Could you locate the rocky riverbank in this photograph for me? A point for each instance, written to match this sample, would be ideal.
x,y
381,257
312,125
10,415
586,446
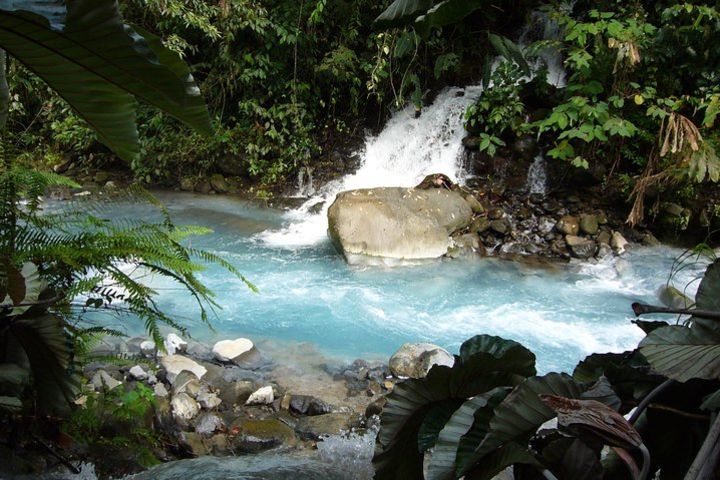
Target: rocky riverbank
x,y
226,399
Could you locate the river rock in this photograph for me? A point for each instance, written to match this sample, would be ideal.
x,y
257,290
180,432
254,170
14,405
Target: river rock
x,y
475,204
414,360
174,364
674,298
313,428
218,183
308,405
160,391
263,396
234,351
568,225
257,435
184,408
138,373
186,382
618,243
237,392
581,247
203,186
103,381
208,423
604,237
208,400
187,184
480,225
174,344
148,348
387,225
501,226
589,224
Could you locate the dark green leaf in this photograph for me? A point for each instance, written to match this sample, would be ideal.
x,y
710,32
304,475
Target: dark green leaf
x,y
682,353
98,65
507,455
708,297
10,404
434,421
572,458
603,392
13,374
711,402
447,12
522,412
401,12
649,326
442,461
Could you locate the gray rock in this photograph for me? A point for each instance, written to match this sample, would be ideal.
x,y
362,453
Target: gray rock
x,y
604,237
388,225
187,184
649,240
207,399
257,435
174,344
414,360
480,225
308,405
581,247
138,373
568,225
208,423
236,392
103,381
160,391
198,350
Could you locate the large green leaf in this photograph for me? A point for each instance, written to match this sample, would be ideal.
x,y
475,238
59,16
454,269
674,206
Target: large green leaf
x,y
708,297
523,412
505,456
12,376
10,404
683,353
401,12
485,363
84,51
447,12
47,347
463,420
572,458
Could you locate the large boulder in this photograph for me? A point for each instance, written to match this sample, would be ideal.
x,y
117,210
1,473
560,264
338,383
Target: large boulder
x,y
389,225
415,360
235,351
174,364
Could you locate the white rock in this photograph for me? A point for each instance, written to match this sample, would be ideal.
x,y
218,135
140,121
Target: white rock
x,y
160,391
174,364
208,400
103,381
186,382
152,379
618,243
174,344
147,348
138,373
263,396
184,408
415,360
233,350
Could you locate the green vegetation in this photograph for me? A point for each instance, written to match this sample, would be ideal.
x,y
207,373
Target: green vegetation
x,y
490,410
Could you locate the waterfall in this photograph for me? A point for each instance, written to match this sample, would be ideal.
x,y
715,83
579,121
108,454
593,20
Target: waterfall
x,y
407,150
537,177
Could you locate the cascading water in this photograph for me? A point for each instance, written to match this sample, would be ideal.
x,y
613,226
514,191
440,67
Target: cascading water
x,y
406,151
537,177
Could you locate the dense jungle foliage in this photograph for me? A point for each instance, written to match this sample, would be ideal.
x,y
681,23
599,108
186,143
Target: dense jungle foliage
x,y
289,83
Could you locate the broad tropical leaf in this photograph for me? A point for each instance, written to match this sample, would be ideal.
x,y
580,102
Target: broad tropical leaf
x,y
401,12
572,458
12,375
507,455
711,402
84,51
434,421
683,353
442,461
10,404
708,297
46,345
522,412
447,12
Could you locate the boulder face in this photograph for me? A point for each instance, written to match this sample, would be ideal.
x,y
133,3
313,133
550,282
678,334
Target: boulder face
x,y
392,225
414,360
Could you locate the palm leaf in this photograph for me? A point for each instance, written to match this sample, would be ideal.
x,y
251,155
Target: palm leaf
x,y
84,51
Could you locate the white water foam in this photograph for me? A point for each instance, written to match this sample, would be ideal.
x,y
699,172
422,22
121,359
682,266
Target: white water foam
x,y
402,155
537,177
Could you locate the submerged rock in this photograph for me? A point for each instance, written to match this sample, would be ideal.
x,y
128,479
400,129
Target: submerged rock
x,y
581,247
415,360
387,225
307,405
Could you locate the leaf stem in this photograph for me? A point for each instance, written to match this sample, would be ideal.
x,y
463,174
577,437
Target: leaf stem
x,y
708,455
649,398
643,309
